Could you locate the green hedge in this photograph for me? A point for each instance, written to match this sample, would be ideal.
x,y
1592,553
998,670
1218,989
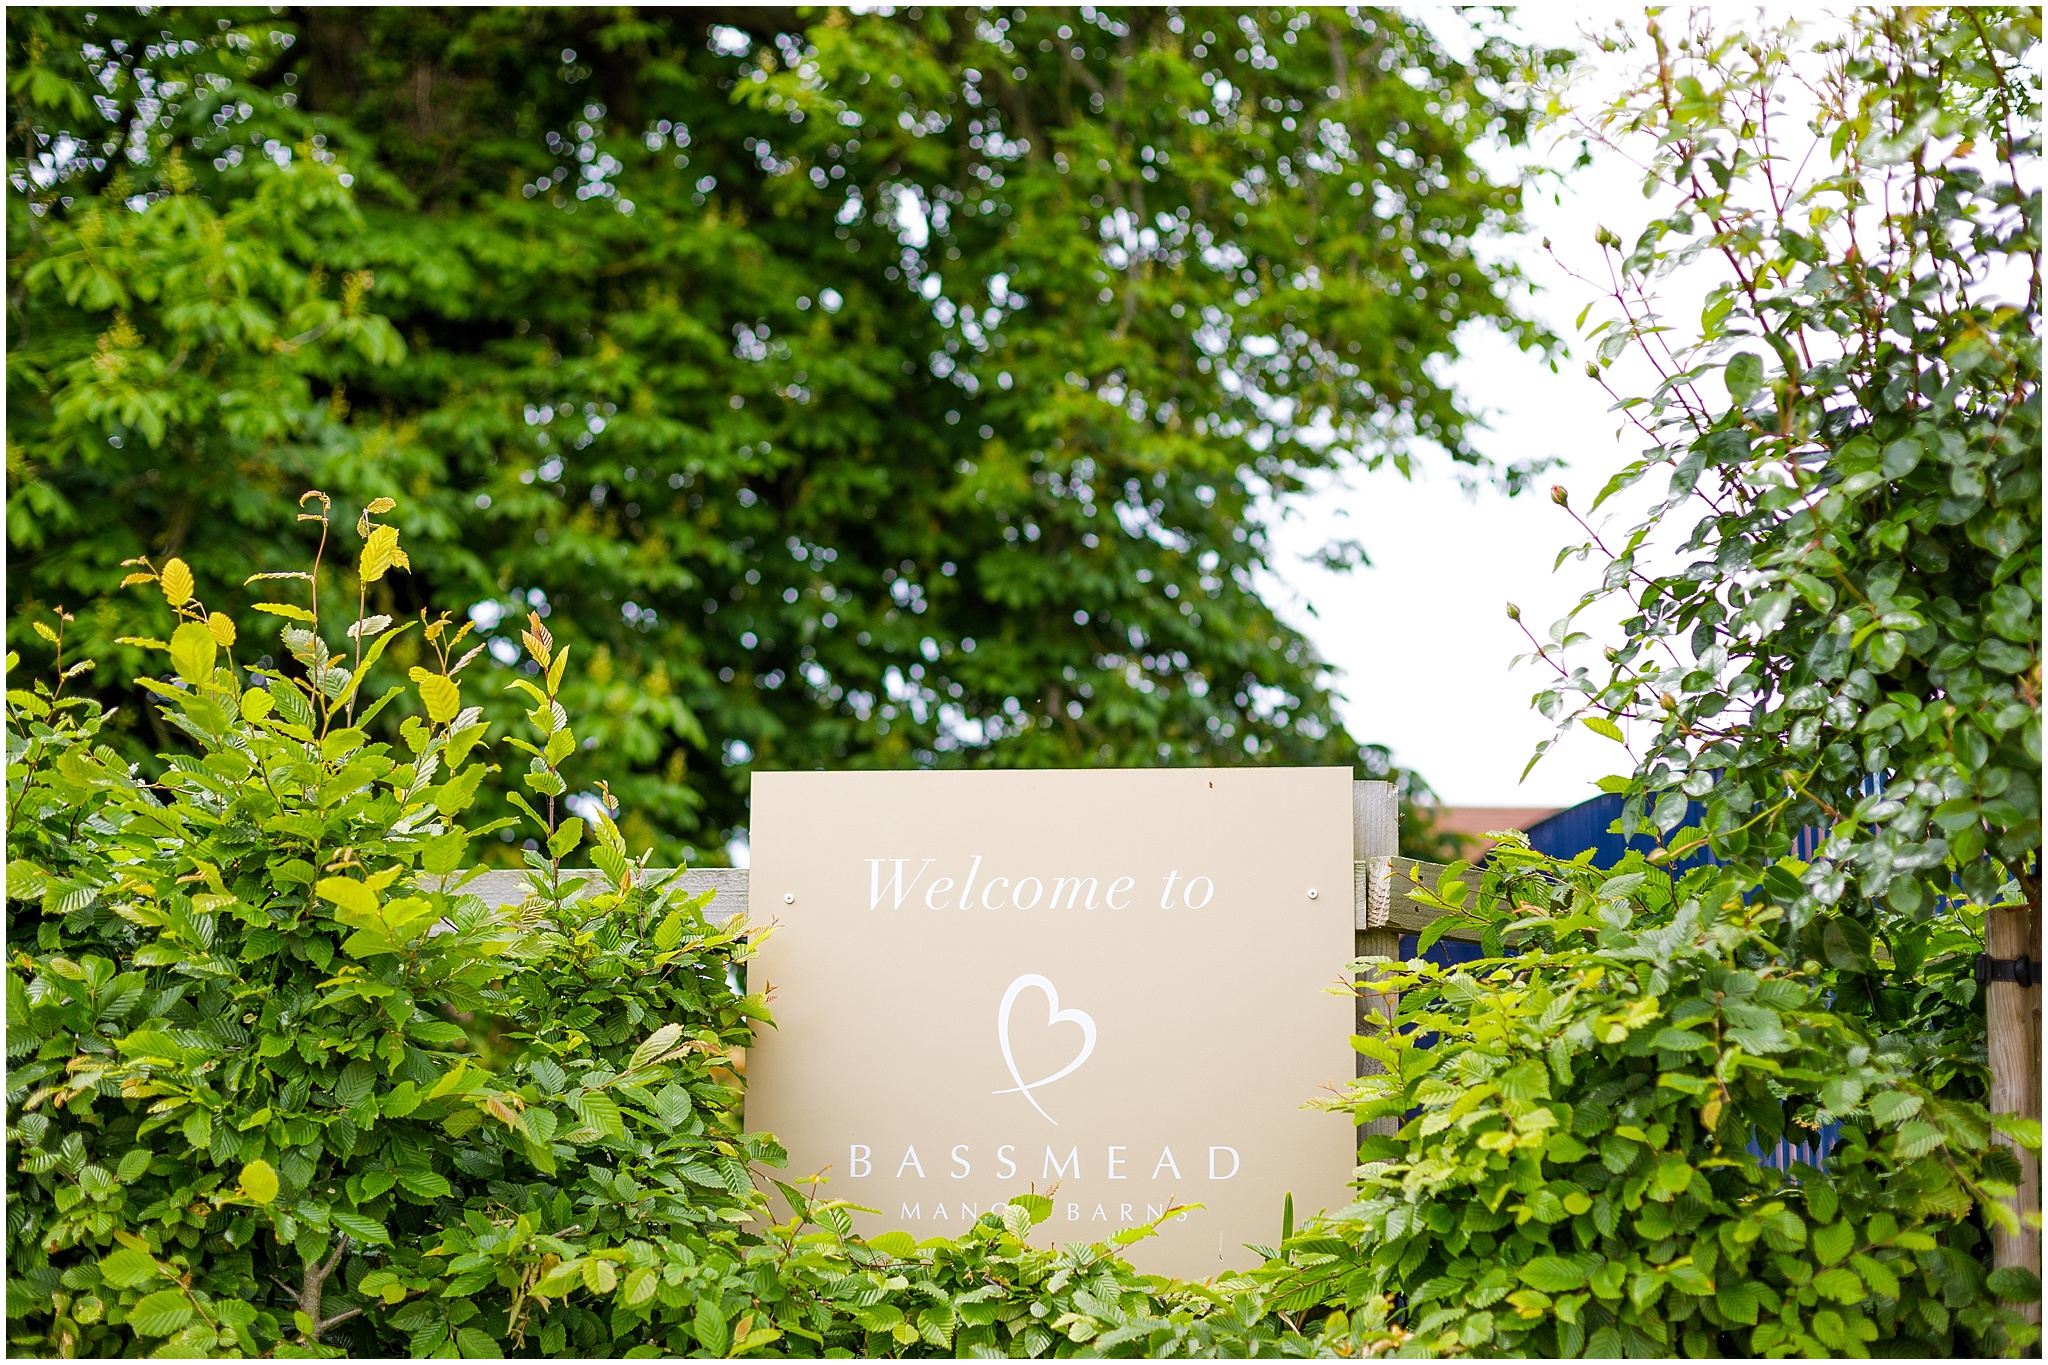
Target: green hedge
x,y
279,1085
1575,1175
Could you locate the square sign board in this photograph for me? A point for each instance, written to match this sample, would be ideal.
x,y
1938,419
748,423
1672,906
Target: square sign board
x,y
1111,987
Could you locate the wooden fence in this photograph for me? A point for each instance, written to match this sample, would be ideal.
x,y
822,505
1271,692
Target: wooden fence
x,y
1383,910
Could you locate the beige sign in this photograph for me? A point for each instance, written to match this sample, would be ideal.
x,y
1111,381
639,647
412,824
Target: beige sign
x,y
1109,986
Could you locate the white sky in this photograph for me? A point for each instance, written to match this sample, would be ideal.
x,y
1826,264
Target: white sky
x,y
1421,637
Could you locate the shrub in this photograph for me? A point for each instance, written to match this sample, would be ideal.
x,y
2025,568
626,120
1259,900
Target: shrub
x,y
988,1292
249,1030
282,1085
1576,1173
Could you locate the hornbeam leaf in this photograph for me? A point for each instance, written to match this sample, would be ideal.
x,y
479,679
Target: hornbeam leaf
x,y
442,696
351,895
658,1042
259,1181
359,1227
1553,1274
193,649
176,583
128,1267
284,609
380,555
163,1312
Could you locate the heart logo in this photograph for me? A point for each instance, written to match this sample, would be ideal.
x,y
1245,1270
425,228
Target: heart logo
x,y
1032,981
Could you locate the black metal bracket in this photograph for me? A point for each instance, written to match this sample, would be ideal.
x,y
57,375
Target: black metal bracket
x,y
2021,971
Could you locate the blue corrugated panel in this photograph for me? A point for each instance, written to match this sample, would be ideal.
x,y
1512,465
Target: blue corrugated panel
x,y
1786,1152
1569,833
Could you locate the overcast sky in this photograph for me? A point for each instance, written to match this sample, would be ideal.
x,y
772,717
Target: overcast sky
x,y
1421,637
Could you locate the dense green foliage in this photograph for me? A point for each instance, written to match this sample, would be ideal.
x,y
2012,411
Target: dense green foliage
x,y
1849,635
253,1032
861,389
280,1083
1575,1174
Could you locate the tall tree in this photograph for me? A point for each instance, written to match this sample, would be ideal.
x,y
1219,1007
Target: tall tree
x,y
851,389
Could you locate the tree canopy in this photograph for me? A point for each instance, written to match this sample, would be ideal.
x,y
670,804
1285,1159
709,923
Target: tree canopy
x,y
850,389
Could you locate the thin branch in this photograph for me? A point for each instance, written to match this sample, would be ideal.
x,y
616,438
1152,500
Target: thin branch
x,y
340,1246
321,1329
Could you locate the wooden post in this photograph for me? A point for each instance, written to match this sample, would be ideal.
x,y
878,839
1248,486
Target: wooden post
x,y
1375,837
2012,1025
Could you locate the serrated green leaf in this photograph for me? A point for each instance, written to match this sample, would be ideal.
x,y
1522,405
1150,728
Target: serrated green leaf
x,y
478,1345
442,696
1600,725
1915,1140
359,1227
601,1112
566,837
670,931
425,1184
2014,1284
160,1314
1840,1284
1553,1274
357,901
128,1267
656,1045
193,650
1833,1242
453,796
710,1327
444,853
284,609
639,1287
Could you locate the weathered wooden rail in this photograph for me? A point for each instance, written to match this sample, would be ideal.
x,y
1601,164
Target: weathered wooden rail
x,y
1373,816
728,885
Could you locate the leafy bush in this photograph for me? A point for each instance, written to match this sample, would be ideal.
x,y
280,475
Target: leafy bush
x,y
1576,1173
988,1292
248,1030
282,1085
